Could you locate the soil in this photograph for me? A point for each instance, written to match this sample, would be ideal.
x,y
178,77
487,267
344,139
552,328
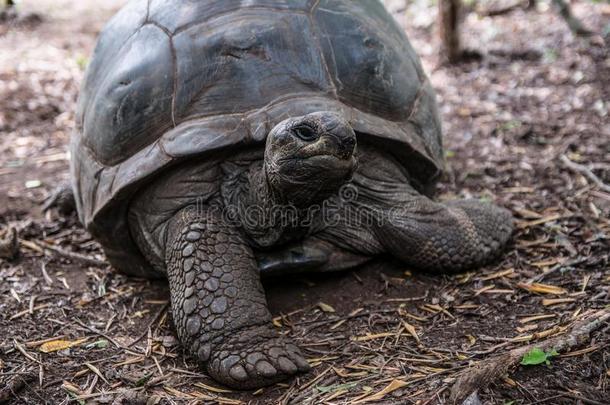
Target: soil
x,y
535,97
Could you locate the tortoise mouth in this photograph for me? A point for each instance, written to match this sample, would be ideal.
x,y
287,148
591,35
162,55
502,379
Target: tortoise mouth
x,y
329,146
341,159
325,159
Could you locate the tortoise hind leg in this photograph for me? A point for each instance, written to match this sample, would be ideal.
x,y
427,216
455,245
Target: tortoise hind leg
x,y
219,306
445,237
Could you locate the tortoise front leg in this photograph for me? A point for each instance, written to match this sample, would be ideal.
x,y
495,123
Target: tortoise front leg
x,y
219,306
445,237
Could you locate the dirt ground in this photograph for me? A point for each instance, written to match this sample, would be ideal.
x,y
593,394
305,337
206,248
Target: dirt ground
x,y
526,126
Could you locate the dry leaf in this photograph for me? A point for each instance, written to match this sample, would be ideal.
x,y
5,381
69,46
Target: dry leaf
x,y
498,274
211,388
411,329
57,345
542,288
556,301
393,386
372,336
325,307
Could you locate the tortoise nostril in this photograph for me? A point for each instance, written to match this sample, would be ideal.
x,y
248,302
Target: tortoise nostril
x,y
349,142
346,146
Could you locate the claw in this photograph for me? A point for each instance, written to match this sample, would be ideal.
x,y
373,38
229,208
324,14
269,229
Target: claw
x,y
239,373
257,362
265,368
287,366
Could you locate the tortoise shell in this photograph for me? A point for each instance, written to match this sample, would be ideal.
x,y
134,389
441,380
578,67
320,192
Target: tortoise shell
x,y
171,80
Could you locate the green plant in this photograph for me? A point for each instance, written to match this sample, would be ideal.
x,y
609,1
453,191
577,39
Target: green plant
x,y
537,356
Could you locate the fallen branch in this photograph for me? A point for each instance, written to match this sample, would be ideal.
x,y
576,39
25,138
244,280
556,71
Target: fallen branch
x,y
485,372
584,170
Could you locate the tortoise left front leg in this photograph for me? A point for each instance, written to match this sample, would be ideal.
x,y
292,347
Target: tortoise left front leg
x,y
454,236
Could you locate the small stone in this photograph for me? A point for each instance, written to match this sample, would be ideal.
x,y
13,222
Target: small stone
x,y
227,278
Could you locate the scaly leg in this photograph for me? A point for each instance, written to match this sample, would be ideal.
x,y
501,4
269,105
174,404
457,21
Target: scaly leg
x,y
220,309
445,237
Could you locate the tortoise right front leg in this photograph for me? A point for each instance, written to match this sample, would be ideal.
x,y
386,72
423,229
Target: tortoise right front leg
x,y
219,306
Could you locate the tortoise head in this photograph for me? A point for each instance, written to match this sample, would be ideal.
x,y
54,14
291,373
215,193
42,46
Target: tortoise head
x,y
308,158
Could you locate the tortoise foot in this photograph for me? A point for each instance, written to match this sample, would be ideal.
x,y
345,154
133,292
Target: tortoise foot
x,y
255,357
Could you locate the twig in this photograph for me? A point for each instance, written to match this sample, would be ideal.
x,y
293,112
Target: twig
x,y
152,321
582,399
487,371
67,254
24,352
102,334
557,267
585,171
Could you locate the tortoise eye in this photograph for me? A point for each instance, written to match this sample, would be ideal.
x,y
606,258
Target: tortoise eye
x,y
305,132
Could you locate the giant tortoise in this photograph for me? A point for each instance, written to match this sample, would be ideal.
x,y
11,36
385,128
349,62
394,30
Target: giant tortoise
x,y
221,140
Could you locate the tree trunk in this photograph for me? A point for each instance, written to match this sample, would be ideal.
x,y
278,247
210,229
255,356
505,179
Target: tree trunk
x,y
448,15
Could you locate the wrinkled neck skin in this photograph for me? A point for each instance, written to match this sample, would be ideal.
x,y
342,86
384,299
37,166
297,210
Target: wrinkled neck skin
x,y
261,210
